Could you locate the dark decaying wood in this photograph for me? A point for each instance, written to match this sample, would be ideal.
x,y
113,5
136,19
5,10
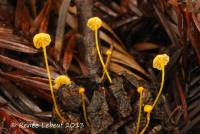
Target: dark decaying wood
x,y
123,100
99,117
88,52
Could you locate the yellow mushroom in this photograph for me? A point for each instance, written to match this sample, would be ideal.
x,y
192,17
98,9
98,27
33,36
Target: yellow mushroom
x,y
159,62
108,53
147,109
81,92
94,24
42,40
61,80
140,91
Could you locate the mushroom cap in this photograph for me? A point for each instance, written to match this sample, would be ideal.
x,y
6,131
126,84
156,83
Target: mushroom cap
x,y
148,108
140,89
41,40
61,80
94,23
108,52
160,61
81,90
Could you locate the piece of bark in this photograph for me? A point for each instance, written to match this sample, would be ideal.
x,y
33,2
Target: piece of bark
x,y
98,114
147,96
123,100
70,98
74,126
130,128
119,124
87,47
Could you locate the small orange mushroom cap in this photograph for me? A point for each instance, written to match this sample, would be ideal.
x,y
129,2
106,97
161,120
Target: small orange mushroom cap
x,y
81,90
94,23
160,61
108,52
41,40
140,89
61,80
148,108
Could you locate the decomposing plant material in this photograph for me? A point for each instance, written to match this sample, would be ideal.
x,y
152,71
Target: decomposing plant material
x,y
99,117
69,97
61,28
122,98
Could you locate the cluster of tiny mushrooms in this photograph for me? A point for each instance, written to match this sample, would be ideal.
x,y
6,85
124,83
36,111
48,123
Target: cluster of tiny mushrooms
x,y
42,40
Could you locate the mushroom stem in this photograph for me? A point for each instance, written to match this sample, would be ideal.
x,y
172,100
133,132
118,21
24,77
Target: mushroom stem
x,y
99,54
81,92
161,87
50,84
84,111
147,124
139,115
108,53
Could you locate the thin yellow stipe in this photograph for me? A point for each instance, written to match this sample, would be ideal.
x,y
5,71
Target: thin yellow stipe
x,y
102,77
50,85
161,87
84,110
139,115
156,100
147,124
159,62
101,60
108,53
